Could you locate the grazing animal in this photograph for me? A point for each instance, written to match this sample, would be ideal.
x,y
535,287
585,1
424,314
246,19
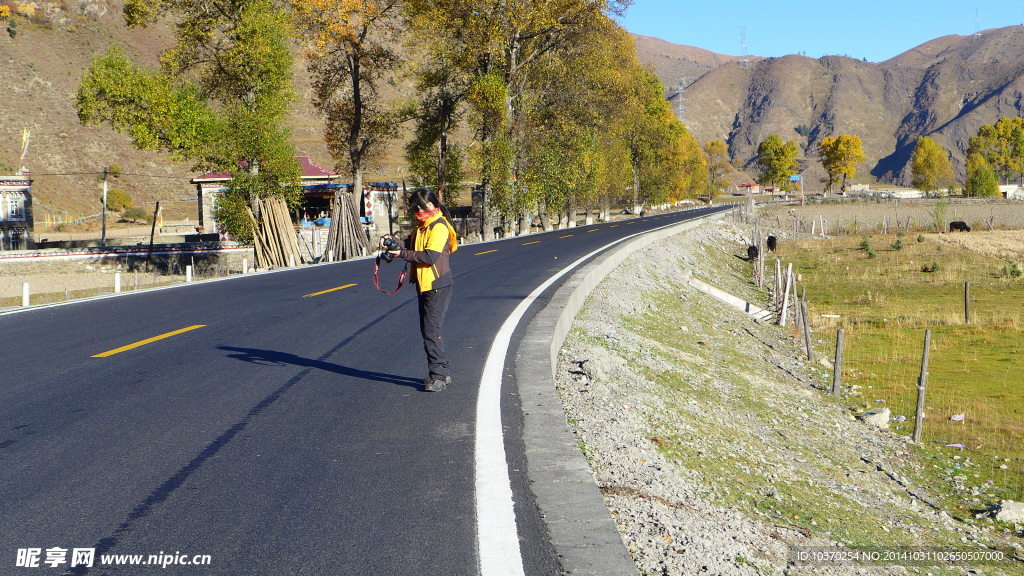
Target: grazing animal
x,y
752,252
959,226
773,243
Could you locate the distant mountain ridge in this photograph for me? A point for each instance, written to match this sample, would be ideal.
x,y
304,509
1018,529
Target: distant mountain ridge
x,y
945,89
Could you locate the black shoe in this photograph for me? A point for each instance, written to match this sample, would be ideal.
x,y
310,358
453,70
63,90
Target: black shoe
x,y
436,385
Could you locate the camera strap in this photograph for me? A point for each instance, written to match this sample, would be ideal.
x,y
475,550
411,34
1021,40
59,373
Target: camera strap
x,y
376,276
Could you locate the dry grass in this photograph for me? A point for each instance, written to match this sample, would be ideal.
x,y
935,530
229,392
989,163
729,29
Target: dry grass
x,y
866,217
885,303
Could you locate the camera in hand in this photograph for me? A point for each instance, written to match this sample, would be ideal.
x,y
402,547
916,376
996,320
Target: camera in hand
x,y
390,243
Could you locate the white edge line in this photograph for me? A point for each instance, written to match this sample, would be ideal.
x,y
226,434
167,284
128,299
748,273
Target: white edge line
x,y
497,535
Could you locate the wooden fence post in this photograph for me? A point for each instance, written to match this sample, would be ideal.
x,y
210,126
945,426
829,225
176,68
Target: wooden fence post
x,y
785,295
807,331
837,376
967,302
922,383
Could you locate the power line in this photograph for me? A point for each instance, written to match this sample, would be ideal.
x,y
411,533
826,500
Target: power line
x,y
101,173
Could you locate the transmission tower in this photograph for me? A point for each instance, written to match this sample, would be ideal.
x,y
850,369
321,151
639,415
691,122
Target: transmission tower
x,y
744,57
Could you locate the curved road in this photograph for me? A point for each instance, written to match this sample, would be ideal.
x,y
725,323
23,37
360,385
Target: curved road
x,y
275,425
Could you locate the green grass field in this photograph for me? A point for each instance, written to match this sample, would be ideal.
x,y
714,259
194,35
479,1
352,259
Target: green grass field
x,y
885,298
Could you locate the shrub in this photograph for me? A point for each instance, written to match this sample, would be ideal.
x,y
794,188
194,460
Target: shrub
x,y
865,245
920,237
135,214
933,267
897,245
118,200
1013,270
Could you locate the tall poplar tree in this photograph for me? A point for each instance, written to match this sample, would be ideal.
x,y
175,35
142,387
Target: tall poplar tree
x,y
930,166
349,50
219,99
494,45
778,161
839,157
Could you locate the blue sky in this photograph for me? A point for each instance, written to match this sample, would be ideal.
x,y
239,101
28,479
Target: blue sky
x,y
872,29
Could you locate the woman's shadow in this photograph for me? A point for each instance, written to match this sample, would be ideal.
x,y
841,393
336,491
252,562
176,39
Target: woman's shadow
x,y
274,358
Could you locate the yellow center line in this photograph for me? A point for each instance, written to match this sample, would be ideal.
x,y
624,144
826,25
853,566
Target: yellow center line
x,y
614,225
566,236
147,341
488,252
330,290
594,230
534,242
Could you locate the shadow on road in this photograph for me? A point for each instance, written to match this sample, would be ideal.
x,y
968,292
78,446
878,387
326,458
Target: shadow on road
x,y
272,357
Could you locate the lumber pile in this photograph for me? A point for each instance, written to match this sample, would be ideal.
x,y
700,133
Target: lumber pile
x,y
346,238
274,236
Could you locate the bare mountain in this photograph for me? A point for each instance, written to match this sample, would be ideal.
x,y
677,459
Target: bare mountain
x,y
945,89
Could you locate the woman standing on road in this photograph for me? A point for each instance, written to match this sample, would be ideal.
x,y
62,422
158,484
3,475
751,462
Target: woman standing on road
x,y
429,249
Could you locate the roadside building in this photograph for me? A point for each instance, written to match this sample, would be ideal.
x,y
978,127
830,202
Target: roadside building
x,y
16,211
749,188
1011,192
318,185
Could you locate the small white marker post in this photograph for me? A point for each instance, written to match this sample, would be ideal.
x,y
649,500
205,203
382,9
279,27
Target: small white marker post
x,y
117,282
24,294
245,266
188,274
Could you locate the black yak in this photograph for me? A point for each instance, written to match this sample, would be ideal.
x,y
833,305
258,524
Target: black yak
x,y
959,226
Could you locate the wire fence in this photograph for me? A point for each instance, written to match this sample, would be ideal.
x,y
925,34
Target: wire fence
x,y
972,422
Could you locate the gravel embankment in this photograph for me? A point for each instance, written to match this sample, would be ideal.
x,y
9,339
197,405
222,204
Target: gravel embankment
x,y
711,439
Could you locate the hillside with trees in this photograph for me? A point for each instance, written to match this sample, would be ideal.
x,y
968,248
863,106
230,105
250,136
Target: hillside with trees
x,y
545,104
945,89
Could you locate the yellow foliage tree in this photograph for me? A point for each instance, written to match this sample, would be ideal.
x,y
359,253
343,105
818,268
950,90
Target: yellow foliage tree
x,y
5,12
26,9
839,157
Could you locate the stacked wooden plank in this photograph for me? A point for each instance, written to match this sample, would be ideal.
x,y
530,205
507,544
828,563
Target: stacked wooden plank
x,y
274,235
346,238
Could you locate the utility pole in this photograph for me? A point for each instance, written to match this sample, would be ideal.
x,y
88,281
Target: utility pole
x,y
103,237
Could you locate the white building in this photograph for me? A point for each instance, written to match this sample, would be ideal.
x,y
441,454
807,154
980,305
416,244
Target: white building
x,y
1011,192
16,211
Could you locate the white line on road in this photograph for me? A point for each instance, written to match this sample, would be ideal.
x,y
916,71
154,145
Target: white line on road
x,y
497,536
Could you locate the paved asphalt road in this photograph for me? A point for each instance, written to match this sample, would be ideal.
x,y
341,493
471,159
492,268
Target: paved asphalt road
x,y
284,433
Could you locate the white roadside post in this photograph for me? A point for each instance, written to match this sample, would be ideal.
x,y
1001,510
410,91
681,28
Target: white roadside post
x,y
24,294
117,282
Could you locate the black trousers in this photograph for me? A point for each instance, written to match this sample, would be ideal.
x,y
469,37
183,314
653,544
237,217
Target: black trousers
x,y
433,306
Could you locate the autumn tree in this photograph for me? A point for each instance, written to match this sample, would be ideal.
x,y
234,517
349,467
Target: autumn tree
x,y
981,178
839,157
1002,147
930,167
716,154
778,161
349,52
219,100
493,46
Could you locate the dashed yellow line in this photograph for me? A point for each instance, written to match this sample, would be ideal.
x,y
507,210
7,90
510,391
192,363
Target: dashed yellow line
x,y
330,290
614,226
146,341
487,252
566,236
534,242
594,230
